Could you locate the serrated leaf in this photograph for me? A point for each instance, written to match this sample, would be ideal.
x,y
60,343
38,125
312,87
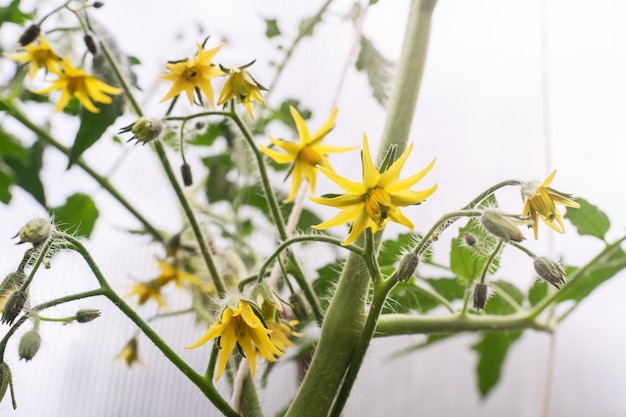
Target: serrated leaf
x,y
271,28
77,216
13,14
588,219
492,350
379,70
593,275
537,292
93,125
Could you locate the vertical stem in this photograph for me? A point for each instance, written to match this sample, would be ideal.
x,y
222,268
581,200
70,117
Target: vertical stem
x,y
345,318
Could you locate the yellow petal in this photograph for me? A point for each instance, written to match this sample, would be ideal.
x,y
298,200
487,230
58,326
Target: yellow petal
x,y
393,172
410,197
408,182
326,127
303,130
370,173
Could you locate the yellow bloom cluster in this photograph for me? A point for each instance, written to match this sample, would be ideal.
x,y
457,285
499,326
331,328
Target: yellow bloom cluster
x,y
152,289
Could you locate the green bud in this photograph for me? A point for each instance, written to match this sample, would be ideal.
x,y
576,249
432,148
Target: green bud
x,y
549,270
501,226
481,293
14,306
144,129
12,282
6,381
269,303
87,315
90,43
470,239
407,267
29,345
185,171
35,231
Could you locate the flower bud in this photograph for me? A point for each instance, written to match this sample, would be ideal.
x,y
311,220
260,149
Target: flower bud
x,y
268,302
98,4
35,231
144,129
551,271
14,306
87,315
185,171
481,292
470,239
6,381
130,353
501,226
407,267
30,34
12,282
90,43
29,345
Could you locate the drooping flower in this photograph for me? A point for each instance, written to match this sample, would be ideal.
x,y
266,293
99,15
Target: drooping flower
x,y
130,353
540,201
152,289
243,87
239,325
281,332
306,155
377,199
74,82
169,273
193,76
146,291
38,56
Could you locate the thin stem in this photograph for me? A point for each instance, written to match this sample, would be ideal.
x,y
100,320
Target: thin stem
x,y
11,109
435,296
40,258
492,257
443,222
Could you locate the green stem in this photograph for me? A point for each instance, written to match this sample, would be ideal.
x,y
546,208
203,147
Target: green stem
x,y
101,180
492,257
40,258
205,386
345,319
403,324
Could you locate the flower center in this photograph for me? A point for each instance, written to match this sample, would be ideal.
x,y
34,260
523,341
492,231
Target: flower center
x,y
191,73
309,156
74,84
377,205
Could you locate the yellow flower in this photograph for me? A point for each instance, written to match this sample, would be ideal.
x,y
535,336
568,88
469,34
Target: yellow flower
x,y
169,273
148,290
190,75
39,56
281,332
375,200
130,353
243,87
74,82
306,155
540,201
239,325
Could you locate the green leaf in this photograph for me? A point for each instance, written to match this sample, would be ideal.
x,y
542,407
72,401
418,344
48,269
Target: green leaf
x,y
492,350
77,216
26,172
537,292
307,26
207,138
93,125
13,14
450,288
379,70
503,292
219,187
391,249
271,29
585,280
6,181
588,219
11,147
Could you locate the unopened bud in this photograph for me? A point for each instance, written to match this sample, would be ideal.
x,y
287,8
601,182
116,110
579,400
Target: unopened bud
x,y
98,4
90,43
12,282
185,171
35,231
470,239
549,270
14,306
407,267
6,381
481,292
144,129
29,345
87,315
30,34
501,226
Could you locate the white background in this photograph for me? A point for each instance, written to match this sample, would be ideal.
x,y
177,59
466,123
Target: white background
x,y
511,90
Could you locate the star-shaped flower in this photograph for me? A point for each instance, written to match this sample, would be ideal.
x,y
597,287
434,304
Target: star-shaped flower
x,y
377,199
540,201
193,75
38,56
74,82
241,86
306,155
239,325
